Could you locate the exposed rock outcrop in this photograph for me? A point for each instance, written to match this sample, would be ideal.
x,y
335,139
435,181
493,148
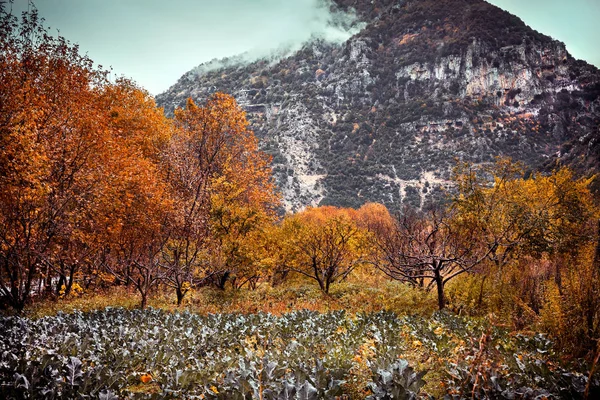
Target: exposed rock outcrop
x,y
383,116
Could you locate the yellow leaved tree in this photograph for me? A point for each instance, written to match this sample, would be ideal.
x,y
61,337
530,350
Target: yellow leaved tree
x,y
324,244
224,195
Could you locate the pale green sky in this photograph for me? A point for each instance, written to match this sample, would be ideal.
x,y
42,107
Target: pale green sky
x,y
156,41
574,22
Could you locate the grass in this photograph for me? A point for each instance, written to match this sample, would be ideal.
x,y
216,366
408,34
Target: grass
x,y
352,296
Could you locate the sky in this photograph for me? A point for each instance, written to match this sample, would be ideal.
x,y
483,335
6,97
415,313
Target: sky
x,y
155,42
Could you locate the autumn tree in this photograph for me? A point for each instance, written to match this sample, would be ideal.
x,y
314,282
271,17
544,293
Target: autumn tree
x,y
374,218
428,249
541,232
94,177
51,135
571,313
224,192
422,248
143,213
133,214
549,214
379,227
238,218
323,244
243,204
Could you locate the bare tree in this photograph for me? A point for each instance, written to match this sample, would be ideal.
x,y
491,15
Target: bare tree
x,y
428,249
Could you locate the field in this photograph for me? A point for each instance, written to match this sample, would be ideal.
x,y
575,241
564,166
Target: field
x,y
117,353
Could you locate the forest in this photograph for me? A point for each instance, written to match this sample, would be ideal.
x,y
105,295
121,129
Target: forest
x,y
128,238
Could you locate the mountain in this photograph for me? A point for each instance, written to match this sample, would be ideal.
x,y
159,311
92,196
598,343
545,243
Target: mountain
x,y
384,116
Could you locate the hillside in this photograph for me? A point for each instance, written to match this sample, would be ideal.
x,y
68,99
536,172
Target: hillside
x,y
383,116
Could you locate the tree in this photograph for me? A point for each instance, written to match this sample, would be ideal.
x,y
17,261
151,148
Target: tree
x,y
133,214
496,215
549,214
51,135
224,192
237,222
378,225
540,229
137,223
93,176
428,248
374,218
324,244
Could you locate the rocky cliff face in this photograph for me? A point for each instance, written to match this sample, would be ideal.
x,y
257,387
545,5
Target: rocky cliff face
x,y
384,116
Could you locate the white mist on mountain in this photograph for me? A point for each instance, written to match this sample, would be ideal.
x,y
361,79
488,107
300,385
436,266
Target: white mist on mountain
x,y
294,24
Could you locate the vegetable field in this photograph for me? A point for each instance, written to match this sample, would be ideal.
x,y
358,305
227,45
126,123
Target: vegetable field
x,y
119,354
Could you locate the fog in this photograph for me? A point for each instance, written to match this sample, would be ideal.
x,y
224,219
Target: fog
x,y
298,23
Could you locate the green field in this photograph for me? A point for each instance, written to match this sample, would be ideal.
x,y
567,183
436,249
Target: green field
x,y
117,353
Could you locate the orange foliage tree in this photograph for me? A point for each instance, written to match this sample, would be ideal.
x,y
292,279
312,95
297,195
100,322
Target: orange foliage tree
x,y
133,214
224,194
51,136
94,177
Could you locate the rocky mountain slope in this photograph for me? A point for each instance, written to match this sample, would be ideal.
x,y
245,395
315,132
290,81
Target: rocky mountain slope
x,y
384,116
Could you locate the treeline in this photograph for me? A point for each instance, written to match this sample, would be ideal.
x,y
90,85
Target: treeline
x,y
97,185
523,249
98,188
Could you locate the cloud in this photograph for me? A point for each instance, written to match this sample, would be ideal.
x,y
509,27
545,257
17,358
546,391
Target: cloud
x,y
282,27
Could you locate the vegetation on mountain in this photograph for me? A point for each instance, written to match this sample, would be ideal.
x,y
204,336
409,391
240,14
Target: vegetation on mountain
x,y
382,117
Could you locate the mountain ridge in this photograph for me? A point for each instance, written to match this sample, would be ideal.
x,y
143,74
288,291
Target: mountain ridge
x,y
383,116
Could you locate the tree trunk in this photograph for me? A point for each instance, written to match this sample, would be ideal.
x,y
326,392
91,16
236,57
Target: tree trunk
x,y
279,277
480,299
15,297
19,305
439,282
144,302
558,273
180,296
253,283
61,281
19,297
69,283
222,280
48,281
128,280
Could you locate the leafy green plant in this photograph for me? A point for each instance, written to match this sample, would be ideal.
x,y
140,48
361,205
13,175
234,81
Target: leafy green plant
x,y
118,353
397,381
